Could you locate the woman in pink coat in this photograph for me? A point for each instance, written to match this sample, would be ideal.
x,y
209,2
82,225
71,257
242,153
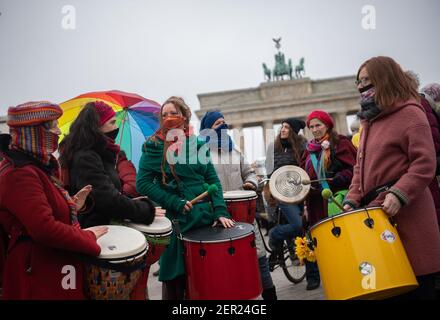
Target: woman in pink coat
x,y
396,150
37,214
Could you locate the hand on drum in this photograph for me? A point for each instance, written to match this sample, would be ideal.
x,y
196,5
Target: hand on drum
x,y
227,223
249,186
160,212
81,196
391,205
98,231
347,207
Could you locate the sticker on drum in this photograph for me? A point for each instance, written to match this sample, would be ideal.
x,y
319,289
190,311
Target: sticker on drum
x,y
366,268
388,236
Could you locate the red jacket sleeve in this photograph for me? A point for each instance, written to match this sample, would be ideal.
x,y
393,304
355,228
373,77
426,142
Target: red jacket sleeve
x,y
30,206
127,175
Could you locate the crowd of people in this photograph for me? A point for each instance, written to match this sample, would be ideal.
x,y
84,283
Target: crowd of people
x,y
53,211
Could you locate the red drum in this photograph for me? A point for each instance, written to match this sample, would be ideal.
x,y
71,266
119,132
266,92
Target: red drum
x,y
242,205
221,264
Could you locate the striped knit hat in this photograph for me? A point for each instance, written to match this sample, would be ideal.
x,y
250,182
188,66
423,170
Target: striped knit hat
x,y
33,113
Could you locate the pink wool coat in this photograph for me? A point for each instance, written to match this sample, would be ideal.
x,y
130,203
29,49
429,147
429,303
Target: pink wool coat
x,y
397,144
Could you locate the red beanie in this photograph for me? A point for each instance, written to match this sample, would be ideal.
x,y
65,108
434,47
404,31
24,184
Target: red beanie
x,y
104,111
322,116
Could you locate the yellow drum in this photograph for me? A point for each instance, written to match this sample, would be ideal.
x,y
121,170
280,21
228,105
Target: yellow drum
x,y
360,256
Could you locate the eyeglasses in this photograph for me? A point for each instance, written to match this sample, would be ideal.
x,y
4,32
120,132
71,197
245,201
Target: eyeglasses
x,y
363,81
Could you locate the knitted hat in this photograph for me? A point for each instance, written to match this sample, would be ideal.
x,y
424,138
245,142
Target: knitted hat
x,y
104,111
33,113
295,124
209,119
322,116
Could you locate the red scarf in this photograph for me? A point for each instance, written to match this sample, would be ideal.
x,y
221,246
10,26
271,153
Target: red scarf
x,y
174,146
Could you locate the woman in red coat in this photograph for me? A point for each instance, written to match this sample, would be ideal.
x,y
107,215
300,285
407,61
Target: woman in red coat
x,y
37,213
396,150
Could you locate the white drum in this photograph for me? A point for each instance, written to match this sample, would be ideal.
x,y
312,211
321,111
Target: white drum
x,y
158,235
289,184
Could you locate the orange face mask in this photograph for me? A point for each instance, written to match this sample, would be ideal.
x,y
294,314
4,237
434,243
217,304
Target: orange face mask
x,y
173,122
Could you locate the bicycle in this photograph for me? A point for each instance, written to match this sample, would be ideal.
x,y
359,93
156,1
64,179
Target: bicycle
x,y
286,258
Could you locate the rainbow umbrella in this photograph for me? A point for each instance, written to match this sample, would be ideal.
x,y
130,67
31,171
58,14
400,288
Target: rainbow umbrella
x,y
136,117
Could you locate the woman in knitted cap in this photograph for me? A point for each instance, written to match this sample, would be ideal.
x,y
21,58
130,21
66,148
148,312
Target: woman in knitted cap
x,y
335,157
90,154
37,213
171,175
397,151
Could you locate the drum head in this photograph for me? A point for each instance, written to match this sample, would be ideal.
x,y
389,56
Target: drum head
x,y
210,234
121,242
286,184
160,226
239,194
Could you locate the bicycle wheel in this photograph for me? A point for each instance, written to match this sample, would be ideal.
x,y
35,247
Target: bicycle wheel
x,y
293,270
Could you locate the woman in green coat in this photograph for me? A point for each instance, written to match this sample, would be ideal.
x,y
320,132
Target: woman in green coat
x,y
172,171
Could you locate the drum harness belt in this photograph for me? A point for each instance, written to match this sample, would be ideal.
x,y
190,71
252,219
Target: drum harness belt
x,y
372,194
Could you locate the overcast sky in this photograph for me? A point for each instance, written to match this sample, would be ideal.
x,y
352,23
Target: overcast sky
x,y
186,47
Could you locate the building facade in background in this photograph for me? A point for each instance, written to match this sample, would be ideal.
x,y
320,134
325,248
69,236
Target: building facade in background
x,y
3,126
271,102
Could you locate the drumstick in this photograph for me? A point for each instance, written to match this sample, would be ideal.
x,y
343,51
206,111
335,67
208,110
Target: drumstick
x,y
307,181
328,194
211,190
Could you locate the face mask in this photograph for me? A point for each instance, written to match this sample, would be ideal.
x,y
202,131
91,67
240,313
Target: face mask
x,y
223,126
112,134
173,122
52,141
364,89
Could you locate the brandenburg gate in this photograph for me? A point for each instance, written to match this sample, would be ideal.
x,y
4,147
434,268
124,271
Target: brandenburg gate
x,y
278,99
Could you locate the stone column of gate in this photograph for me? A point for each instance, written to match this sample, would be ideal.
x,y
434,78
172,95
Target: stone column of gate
x,y
237,134
341,122
267,137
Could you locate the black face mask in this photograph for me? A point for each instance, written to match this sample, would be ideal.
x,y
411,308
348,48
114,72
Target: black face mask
x,y
363,89
112,134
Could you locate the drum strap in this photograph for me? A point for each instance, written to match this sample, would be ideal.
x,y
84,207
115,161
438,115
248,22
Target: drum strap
x,y
176,228
372,194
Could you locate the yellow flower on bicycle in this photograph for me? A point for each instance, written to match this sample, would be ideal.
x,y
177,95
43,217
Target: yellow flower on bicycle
x,y
303,251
